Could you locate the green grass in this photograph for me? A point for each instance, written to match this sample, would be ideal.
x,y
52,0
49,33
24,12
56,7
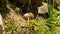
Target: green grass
x,y
46,26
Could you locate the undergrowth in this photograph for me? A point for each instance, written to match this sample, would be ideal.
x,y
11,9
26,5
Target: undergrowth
x,y
46,26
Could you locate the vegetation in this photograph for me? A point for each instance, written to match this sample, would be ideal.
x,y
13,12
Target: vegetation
x,y
48,25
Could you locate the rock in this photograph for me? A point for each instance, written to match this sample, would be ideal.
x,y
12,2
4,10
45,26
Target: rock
x,y
17,18
28,15
1,25
43,9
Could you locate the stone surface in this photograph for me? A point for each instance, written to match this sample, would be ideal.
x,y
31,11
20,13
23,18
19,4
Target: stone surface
x,y
1,25
17,18
43,9
28,15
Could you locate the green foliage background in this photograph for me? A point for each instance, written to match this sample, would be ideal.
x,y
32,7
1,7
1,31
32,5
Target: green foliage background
x,y
47,26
